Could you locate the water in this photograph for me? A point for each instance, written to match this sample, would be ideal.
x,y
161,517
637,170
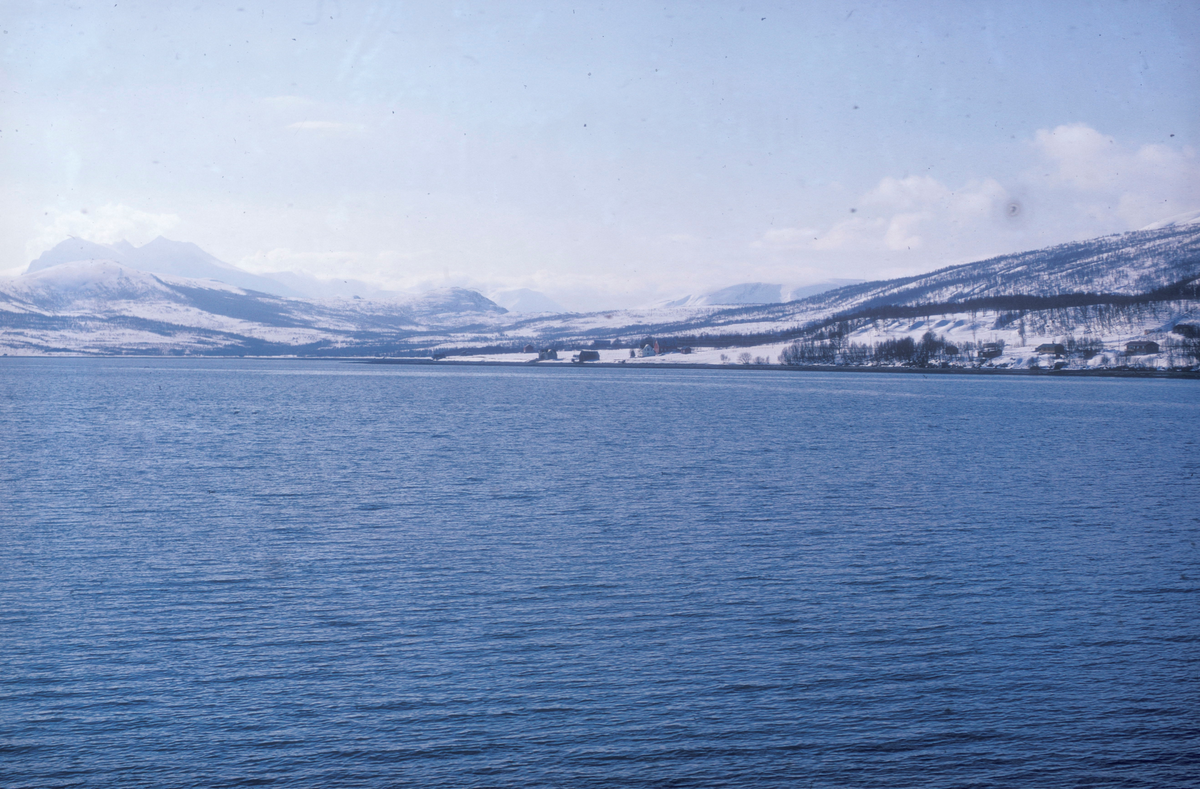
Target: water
x,y
228,573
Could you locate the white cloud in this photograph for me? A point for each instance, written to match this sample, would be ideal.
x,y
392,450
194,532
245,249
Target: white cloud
x,y
1114,183
902,232
386,269
1074,183
104,225
901,214
283,259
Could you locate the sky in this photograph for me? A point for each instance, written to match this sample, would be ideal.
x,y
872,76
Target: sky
x,y
605,154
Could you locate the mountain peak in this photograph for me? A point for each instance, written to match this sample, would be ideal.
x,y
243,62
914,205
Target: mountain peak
x,y
160,256
73,249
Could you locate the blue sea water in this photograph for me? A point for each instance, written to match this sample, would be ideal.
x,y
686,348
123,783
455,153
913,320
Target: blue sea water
x,y
325,574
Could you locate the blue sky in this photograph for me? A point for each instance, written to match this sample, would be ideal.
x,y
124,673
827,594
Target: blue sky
x,y
607,153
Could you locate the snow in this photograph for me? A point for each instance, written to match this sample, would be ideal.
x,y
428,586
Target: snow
x,y
90,305
1189,218
769,354
160,256
744,293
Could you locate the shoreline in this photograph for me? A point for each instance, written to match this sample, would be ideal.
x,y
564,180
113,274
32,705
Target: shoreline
x,y
762,368
814,368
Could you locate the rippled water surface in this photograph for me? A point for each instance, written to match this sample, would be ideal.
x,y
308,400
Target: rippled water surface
x,y
234,572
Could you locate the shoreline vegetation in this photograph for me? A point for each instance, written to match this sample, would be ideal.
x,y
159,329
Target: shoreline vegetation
x,y
805,368
756,364
753,366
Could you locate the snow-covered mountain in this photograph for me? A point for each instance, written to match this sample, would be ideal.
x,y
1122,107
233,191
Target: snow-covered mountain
x,y
743,293
101,306
1128,264
99,303
160,256
1052,292
755,293
184,259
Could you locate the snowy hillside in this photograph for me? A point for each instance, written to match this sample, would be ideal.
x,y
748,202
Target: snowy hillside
x,y
1130,263
1109,291
100,306
1105,292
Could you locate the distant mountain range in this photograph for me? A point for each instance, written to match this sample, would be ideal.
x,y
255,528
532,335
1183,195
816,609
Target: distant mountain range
x,y
755,293
172,297
101,306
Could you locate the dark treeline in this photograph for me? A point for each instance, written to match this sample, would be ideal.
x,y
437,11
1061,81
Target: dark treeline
x,y
1185,289
902,350
932,350
1093,312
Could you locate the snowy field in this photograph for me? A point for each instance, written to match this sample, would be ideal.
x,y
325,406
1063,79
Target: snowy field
x,y
1106,334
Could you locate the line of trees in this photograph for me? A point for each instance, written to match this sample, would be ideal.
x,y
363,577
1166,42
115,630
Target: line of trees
x,y
932,349
902,350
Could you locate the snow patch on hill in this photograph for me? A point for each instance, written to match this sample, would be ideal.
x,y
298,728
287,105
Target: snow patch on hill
x,y
1189,218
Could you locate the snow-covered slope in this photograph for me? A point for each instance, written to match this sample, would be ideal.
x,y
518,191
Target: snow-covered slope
x,y
804,291
1114,269
1179,220
1130,263
160,256
756,293
743,293
104,306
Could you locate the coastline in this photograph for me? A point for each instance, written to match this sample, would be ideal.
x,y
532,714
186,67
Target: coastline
x,y
761,368
817,368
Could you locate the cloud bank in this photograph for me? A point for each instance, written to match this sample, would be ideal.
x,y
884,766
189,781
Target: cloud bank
x,y
1074,182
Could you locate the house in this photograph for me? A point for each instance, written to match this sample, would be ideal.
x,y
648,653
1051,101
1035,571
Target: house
x,y
990,350
1056,348
547,354
587,356
648,350
1139,347
529,349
